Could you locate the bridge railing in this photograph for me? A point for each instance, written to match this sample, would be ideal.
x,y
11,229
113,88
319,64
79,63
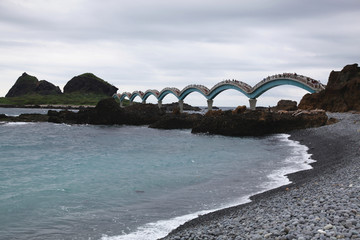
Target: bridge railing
x,y
244,86
202,88
315,84
312,83
176,91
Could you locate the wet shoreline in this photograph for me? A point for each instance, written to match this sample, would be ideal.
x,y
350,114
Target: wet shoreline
x,y
306,208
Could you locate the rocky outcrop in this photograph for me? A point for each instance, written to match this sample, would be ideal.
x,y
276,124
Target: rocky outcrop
x,y
341,93
47,88
89,83
108,112
286,105
258,122
142,114
241,122
27,84
175,105
26,117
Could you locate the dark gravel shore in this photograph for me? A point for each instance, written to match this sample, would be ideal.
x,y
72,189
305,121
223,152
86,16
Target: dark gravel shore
x,y
322,203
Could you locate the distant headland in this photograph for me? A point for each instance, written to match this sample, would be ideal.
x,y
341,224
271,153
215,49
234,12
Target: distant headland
x,y
82,90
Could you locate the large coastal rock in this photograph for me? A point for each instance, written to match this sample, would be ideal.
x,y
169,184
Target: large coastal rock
x,y
258,122
27,84
175,105
108,112
89,83
286,105
239,122
341,93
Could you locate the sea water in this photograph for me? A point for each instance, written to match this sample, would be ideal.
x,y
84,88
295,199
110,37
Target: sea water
x,y
61,181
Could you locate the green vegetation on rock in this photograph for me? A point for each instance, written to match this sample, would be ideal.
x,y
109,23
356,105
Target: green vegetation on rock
x,y
89,83
27,84
85,89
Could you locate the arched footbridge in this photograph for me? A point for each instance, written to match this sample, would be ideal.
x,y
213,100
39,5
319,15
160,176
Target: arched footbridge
x,y
252,93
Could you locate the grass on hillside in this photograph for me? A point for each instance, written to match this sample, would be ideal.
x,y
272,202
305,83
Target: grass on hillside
x,y
60,99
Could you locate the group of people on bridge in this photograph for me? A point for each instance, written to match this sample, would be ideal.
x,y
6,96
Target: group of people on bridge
x,y
266,84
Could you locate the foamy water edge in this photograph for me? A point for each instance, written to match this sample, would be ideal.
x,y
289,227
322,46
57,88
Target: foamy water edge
x,y
155,230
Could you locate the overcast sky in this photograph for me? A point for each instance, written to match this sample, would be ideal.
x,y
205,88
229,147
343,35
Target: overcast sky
x,y
152,44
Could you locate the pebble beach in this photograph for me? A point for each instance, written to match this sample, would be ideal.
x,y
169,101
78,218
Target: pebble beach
x,y
321,203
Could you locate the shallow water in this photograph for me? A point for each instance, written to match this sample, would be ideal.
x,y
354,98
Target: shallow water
x,y
62,181
17,111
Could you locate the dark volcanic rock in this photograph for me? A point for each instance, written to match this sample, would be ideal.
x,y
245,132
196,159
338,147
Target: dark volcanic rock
x,y
286,105
175,105
28,117
108,112
259,122
341,93
27,84
142,114
231,123
89,83
47,88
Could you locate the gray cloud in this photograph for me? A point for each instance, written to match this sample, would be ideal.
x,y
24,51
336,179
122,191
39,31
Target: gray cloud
x,y
142,44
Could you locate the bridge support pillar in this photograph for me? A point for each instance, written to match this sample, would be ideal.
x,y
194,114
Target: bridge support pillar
x,y
131,103
181,106
252,102
160,104
143,102
210,104
121,104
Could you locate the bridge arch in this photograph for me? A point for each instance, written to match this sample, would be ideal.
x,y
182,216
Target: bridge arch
x,y
259,89
135,94
166,91
150,92
219,89
124,95
252,93
194,88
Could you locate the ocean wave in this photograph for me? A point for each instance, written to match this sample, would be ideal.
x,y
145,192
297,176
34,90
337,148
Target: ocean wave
x,y
299,160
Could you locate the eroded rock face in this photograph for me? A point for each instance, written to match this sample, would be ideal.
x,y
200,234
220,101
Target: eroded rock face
x,y
175,105
341,94
286,105
47,88
108,112
259,122
27,84
89,83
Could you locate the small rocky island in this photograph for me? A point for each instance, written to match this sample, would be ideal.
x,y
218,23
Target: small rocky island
x,y
27,84
89,83
84,83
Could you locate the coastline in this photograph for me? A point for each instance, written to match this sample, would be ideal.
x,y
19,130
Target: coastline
x,y
309,207
48,106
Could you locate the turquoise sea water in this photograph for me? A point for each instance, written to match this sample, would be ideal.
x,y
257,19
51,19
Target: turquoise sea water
x,y
62,181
